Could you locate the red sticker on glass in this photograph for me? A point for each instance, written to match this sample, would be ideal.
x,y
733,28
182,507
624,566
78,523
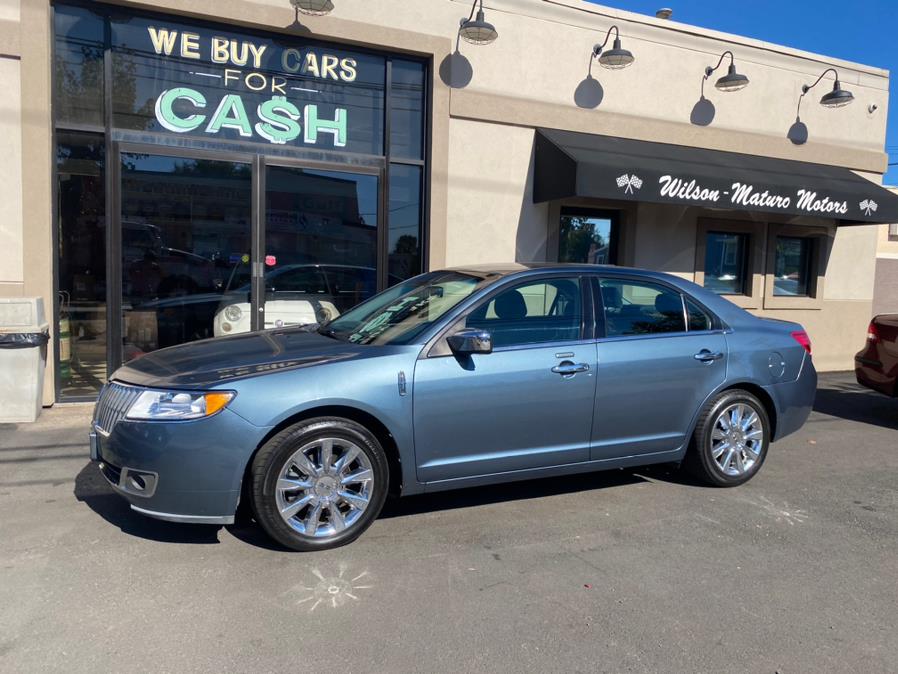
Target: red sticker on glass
x,y
271,260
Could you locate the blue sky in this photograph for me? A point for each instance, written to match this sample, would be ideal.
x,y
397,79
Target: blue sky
x,y
865,31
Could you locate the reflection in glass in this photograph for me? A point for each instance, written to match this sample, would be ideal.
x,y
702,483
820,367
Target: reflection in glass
x,y
404,241
585,239
792,266
78,66
407,110
726,257
636,308
82,263
401,313
320,248
185,241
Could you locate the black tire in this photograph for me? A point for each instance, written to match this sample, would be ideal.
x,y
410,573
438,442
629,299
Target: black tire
x,y
271,460
700,459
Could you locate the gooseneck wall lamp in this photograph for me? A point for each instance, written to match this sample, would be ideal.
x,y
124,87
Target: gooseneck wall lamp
x,y
732,81
615,58
836,98
477,31
313,7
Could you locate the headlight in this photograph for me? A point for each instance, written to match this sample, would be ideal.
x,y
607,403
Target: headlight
x,y
178,405
233,313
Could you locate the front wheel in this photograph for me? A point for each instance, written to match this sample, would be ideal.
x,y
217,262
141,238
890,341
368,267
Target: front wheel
x,y
731,439
319,484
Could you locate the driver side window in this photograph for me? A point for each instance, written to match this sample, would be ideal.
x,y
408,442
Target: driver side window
x,y
546,311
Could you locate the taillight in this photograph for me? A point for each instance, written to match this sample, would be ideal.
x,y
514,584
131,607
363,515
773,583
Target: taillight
x,y
873,333
802,338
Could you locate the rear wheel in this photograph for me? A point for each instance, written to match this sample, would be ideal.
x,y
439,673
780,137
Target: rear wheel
x,y
731,439
319,484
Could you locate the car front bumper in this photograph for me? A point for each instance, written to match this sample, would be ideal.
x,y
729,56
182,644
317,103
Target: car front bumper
x,y
179,471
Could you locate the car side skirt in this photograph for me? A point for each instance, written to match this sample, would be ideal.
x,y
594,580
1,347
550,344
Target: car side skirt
x,y
554,471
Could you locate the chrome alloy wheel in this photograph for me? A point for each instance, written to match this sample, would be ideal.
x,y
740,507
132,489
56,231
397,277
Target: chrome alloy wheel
x,y
737,439
325,487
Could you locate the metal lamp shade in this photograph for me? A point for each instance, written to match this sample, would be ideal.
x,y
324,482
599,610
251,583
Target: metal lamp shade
x,y
616,57
313,7
838,97
732,81
478,31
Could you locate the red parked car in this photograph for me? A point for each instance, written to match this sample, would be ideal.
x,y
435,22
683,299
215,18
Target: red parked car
x,y
876,365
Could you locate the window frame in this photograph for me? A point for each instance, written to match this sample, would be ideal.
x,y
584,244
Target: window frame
x,y
756,233
820,244
602,335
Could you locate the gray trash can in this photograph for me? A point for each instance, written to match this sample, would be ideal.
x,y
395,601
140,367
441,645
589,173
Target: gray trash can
x,y
24,334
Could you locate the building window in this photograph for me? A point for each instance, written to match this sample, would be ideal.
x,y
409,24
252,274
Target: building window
x,y
726,262
81,265
208,123
792,266
404,236
588,236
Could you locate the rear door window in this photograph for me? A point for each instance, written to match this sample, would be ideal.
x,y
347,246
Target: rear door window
x,y
640,308
699,319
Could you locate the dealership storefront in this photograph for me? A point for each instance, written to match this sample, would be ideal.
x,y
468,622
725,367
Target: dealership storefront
x,y
212,180
186,175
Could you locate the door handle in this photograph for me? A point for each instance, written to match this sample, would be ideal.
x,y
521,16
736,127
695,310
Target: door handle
x,y
568,369
707,356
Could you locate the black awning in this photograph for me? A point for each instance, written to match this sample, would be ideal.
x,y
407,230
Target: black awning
x,y
571,164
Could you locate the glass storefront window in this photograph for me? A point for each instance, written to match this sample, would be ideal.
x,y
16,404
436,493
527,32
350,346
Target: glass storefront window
x,y
184,253
81,233
407,110
78,66
726,262
586,237
223,84
792,266
404,239
320,243
185,241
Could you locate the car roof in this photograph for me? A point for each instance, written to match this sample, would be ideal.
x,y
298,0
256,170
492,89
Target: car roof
x,y
509,268
725,309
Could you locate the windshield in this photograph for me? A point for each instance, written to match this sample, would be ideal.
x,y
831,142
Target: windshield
x,y
398,315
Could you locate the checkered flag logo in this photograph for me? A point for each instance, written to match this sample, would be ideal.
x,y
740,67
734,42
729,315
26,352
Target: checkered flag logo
x,y
628,182
868,206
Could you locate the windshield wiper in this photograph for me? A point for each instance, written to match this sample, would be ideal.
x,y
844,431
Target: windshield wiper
x,y
327,332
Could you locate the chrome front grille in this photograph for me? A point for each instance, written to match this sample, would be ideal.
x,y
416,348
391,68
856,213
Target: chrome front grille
x,y
113,404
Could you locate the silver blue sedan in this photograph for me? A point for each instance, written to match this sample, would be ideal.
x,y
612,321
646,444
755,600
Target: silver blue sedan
x,y
455,378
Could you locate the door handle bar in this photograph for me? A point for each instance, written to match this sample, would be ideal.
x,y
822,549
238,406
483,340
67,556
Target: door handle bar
x,y
707,356
568,368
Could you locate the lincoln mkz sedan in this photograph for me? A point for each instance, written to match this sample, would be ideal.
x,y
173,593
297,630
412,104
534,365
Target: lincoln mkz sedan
x,y
455,378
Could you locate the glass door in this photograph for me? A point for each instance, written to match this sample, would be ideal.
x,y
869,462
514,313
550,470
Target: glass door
x,y
320,244
185,240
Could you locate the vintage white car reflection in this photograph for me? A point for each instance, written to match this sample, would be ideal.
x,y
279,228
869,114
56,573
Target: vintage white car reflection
x,y
296,295
235,318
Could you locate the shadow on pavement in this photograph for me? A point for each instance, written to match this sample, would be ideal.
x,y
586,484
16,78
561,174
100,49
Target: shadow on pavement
x,y
512,491
92,490
845,399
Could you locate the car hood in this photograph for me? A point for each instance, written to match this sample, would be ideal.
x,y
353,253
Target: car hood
x,y
216,362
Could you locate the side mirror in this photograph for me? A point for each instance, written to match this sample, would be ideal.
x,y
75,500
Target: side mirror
x,y
470,340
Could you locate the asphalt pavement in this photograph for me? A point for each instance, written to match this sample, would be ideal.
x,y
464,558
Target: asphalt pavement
x,y
637,570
